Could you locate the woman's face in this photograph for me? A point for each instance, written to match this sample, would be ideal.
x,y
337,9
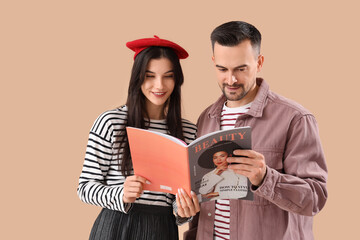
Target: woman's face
x,y
219,158
158,84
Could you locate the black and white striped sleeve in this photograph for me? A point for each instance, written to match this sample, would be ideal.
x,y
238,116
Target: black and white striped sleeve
x,y
100,159
189,131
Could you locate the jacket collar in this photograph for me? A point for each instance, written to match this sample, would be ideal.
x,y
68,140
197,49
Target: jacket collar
x,y
257,106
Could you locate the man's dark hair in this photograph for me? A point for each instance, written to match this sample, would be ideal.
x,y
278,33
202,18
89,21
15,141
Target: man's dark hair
x,y
233,33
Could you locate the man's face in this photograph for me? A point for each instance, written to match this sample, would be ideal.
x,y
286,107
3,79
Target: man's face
x,y
236,70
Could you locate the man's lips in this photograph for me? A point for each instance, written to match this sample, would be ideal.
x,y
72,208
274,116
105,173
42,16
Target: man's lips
x,y
232,88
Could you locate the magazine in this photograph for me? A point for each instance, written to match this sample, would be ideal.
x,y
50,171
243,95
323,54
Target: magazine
x,y
169,163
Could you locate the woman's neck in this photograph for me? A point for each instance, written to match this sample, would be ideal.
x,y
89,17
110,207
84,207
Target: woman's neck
x,y
155,112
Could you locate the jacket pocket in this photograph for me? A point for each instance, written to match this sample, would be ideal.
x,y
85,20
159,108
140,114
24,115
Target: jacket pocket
x,y
273,157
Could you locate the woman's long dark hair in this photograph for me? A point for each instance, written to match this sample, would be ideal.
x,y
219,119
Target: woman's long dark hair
x,y
135,103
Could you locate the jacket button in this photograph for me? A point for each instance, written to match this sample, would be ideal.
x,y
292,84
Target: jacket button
x,y
209,214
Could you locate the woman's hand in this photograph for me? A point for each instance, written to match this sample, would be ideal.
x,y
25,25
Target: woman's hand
x,y
219,170
133,188
187,206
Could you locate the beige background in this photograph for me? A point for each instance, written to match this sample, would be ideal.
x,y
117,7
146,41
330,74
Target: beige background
x,y
62,63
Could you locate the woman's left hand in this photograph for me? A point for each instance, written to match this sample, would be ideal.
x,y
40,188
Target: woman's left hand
x,y
187,206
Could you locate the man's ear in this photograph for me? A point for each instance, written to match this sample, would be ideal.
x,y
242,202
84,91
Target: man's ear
x,y
260,62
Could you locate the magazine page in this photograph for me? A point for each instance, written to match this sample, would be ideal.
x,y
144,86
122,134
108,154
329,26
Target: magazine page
x,y
164,163
211,178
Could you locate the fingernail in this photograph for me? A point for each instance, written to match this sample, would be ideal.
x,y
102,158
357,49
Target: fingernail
x,y
182,191
148,182
179,191
192,193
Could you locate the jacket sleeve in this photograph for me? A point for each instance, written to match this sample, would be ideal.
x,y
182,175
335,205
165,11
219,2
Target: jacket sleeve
x,y
301,188
100,157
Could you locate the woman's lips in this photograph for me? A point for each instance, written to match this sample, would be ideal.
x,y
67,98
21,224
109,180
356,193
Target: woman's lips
x,y
159,94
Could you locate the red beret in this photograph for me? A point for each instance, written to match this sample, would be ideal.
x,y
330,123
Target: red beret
x,y
140,44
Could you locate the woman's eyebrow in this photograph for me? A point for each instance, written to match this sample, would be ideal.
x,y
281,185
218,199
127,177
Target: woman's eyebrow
x,y
170,71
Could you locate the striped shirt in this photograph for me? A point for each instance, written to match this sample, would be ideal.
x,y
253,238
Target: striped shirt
x,y
229,115
101,181
222,206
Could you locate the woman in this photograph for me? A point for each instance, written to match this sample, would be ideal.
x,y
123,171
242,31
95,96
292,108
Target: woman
x,y
222,182
107,179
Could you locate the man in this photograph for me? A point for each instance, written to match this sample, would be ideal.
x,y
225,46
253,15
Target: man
x,y
286,165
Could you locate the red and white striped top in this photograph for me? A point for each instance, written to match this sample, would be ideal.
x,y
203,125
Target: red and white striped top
x,y
229,115
222,207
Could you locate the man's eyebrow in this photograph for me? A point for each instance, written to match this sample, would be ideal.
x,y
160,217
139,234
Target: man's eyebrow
x,y
241,66
219,66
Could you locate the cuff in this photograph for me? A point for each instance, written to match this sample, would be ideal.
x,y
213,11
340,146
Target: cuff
x,y
266,188
180,221
125,207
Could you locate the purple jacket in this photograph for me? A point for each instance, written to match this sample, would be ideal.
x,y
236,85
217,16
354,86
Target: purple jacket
x,y
294,188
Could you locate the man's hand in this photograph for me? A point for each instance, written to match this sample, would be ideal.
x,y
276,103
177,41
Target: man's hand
x,y
252,165
186,206
133,188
